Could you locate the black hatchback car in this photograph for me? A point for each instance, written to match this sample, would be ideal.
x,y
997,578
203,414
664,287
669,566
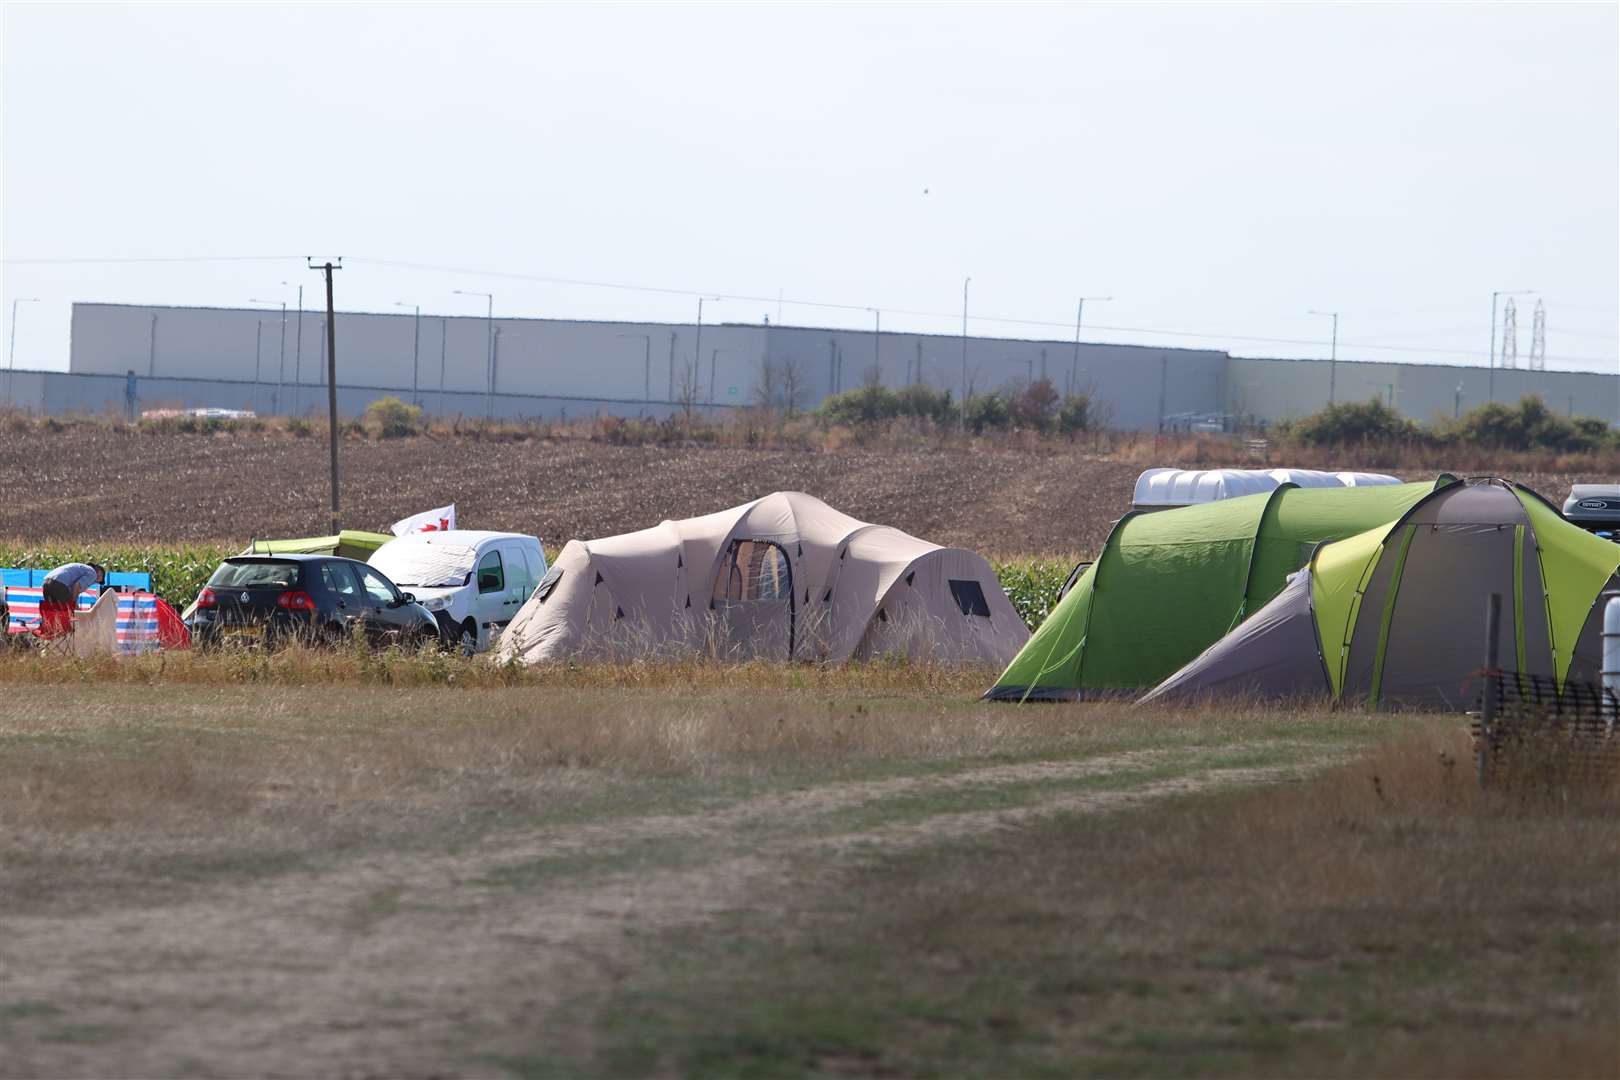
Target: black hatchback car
x,y
270,599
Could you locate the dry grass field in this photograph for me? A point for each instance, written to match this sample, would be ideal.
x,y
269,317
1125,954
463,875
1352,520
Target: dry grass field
x,y
329,865
350,865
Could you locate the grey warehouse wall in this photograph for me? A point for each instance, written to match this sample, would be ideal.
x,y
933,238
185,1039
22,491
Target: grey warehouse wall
x,y
245,358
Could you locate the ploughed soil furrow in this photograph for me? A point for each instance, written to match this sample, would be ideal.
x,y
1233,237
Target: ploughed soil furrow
x,y
117,486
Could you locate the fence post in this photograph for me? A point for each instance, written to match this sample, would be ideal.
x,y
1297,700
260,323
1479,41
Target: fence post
x,y
1609,694
1487,708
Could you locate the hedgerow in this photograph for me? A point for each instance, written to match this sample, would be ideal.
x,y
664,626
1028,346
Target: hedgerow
x,y
179,573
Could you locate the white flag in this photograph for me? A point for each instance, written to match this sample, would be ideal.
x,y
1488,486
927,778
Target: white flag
x,y
440,520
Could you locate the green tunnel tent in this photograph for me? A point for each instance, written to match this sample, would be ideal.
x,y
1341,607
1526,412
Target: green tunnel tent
x,y
1396,615
1170,584
350,544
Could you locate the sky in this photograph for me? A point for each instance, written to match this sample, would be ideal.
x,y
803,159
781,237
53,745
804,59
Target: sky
x,y
1218,170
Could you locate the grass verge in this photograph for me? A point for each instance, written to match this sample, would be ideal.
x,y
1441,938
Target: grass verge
x,y
1386,918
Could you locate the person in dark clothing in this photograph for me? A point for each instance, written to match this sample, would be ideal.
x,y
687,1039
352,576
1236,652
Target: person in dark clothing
x,y
61,595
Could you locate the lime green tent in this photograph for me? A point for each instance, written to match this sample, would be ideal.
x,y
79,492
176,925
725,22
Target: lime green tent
x,y
1172,583
350,544
1396,615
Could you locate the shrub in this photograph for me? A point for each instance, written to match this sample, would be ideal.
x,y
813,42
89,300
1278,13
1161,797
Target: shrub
x,y
864,405
1354,422
1074,414
986,412
1036,408
391,418
1529,426
924,403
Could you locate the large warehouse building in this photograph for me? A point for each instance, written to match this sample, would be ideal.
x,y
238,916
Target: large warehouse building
x,y
126,357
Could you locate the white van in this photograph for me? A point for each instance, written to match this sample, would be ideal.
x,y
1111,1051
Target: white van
x,y
472,581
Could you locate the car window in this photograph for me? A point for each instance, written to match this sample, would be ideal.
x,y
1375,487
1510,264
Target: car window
x,y
491,578
517,571
377,586
257,574
537,565
340,579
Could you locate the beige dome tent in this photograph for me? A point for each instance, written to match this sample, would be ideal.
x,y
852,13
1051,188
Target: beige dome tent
x,y
785,576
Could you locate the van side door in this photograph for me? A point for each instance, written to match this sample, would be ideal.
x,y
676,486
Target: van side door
x,y
519,581
489,606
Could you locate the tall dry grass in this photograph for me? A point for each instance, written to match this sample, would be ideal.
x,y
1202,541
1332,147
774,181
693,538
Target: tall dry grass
x,y
1386,918
301,665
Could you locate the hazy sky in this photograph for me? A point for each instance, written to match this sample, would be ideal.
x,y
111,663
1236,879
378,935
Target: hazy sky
x,y
1219,169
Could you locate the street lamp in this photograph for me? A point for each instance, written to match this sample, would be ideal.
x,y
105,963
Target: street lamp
x,y
258,337
877,339
298,350
697,346
1333,356
1079,313
416,347
646,370
444,350
1491,378
11,353
965,283
714,357
281,361
489,354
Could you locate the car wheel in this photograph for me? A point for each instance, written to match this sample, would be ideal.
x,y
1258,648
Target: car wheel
x,y
468,644
332,636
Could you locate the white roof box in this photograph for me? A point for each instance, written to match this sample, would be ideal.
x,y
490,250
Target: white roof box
x,y
1160,489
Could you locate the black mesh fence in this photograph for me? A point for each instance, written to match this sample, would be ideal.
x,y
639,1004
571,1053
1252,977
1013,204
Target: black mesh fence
x,y
1528,729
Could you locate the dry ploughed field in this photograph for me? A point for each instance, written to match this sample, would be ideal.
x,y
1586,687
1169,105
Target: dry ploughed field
x,y
112,485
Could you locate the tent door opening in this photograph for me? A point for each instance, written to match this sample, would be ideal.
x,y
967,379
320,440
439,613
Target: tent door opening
x,y
755,609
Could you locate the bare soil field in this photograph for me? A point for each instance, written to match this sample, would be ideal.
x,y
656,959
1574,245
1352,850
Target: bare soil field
x,y
110,484
677,875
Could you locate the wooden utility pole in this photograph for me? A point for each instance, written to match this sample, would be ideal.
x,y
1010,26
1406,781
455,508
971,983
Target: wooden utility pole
x,y
331,378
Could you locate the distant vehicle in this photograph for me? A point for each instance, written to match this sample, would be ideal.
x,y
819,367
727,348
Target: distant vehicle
x,y
1595,508
270,600
209,413
473,581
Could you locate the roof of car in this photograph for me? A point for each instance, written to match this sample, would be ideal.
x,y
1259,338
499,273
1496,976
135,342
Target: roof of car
x,y
463,537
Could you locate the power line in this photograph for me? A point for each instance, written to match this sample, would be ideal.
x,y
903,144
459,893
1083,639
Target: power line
x,y
153,259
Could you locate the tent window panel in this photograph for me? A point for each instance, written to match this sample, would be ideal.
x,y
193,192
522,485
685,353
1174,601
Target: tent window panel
x,y
970,598
755,570
548,584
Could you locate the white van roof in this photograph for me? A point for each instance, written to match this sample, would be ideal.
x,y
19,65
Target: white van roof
x,y
1158,488
460,537
436,559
